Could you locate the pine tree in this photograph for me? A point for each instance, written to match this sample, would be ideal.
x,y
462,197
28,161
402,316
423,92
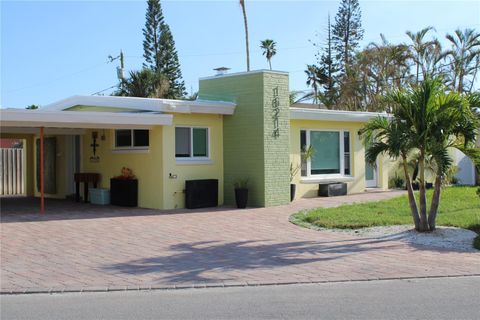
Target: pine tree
x,y
159,49
329,68
347,32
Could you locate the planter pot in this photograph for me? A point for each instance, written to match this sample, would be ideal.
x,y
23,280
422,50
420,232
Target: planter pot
x,y
416,185
241,198
293,188
124,192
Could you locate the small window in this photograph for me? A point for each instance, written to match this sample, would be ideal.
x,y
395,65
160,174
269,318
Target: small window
x,y
191,142
132,138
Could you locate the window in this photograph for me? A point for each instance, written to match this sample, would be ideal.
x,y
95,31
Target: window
x,y
331,152
191,142
135,139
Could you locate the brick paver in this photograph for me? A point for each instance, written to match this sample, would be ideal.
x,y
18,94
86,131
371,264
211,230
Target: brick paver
x,y
79,246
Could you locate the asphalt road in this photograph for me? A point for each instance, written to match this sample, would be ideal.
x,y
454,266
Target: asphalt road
x,y
442,298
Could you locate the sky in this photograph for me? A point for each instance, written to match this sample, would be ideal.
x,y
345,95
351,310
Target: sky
x,y
56,49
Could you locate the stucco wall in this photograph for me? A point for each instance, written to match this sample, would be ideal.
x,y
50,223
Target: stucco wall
x,y
173,192
306,190
153,167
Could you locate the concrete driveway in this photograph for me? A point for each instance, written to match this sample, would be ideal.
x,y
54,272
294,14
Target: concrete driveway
x,y
77,247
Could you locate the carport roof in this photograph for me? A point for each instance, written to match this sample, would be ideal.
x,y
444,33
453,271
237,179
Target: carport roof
x,y
21,118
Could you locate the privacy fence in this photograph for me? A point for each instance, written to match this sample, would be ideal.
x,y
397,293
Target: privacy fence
x,y
12,172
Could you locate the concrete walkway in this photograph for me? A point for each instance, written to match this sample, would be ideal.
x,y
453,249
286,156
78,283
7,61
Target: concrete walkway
x,y
79,247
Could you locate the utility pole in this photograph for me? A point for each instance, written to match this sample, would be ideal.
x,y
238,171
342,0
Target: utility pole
x,y
121,68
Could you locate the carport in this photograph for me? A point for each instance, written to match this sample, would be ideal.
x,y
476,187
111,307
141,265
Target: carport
x,y
43,122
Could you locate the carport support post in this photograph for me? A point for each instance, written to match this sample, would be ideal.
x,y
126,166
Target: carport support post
x,y
42,173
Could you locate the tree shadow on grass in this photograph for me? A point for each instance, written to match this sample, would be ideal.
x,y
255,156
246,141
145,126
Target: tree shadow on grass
x,y
194,262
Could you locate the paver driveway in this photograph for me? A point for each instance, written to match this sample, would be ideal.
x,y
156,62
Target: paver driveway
x,y
78,246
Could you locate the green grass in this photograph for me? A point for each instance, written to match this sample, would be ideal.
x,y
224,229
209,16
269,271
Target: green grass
x,y
459,207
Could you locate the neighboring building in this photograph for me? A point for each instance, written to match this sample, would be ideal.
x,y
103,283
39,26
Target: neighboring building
x,y
240,127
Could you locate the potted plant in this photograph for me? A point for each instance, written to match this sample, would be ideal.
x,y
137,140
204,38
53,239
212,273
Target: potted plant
x,y
241,193
124,189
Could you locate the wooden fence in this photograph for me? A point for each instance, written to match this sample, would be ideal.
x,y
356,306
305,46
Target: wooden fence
x,y
12,172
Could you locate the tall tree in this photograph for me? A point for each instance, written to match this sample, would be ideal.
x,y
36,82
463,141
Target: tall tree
x,y
347,32
425,53
245,23
159,49
464,57
269,48
328,67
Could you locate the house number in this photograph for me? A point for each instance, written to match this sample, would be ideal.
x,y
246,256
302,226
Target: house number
x,y
276,112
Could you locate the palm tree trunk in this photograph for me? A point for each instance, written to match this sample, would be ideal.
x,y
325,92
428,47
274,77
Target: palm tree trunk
x,y
411,196
432,216
242,4
422,194
270,64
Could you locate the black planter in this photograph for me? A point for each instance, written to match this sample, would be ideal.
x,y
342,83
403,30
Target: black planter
x,y
293,188
416,185
124,192
241,198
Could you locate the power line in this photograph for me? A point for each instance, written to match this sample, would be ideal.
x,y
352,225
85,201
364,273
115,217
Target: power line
x,y
98,92
60,77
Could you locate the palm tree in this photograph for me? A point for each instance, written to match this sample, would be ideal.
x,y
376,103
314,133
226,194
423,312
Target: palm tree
x,y
425,54
242,4
464,57
145,83
269,50
426,122
313,80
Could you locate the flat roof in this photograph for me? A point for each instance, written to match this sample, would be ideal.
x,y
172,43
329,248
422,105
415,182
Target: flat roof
x,y
333,115
144,104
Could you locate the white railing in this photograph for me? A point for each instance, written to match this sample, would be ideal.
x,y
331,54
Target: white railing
x,y
12,172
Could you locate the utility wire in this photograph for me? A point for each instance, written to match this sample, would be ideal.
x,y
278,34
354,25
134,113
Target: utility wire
x,y
98,92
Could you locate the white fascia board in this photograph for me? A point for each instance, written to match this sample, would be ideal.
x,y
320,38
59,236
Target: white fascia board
x,y
145,104
33,130
84,120
334,115
234,74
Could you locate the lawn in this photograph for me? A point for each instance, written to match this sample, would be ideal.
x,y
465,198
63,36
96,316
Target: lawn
x,y
459,207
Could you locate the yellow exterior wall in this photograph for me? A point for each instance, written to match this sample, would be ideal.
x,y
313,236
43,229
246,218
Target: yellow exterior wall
x,y
153,167
173,193
307,190
146,165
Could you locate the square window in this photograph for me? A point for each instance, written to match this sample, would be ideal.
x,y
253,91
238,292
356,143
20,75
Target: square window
x,y
326,155
123,138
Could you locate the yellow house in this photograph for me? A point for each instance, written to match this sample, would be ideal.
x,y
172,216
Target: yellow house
x,y
240,127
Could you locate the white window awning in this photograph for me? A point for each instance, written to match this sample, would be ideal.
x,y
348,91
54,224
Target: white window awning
x,y
81,120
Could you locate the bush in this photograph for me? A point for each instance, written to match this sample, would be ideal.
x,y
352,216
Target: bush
x,y
397,182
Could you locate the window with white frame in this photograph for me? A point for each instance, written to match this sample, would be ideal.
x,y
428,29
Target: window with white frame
x,y
331,153
192,142
132,139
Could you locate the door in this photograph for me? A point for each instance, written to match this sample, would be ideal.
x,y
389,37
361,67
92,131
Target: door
x,y
370,173
370,176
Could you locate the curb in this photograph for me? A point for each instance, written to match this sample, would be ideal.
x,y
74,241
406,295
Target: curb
x,y
207,285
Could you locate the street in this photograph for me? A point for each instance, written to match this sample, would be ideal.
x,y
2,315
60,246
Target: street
x,y
434,298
